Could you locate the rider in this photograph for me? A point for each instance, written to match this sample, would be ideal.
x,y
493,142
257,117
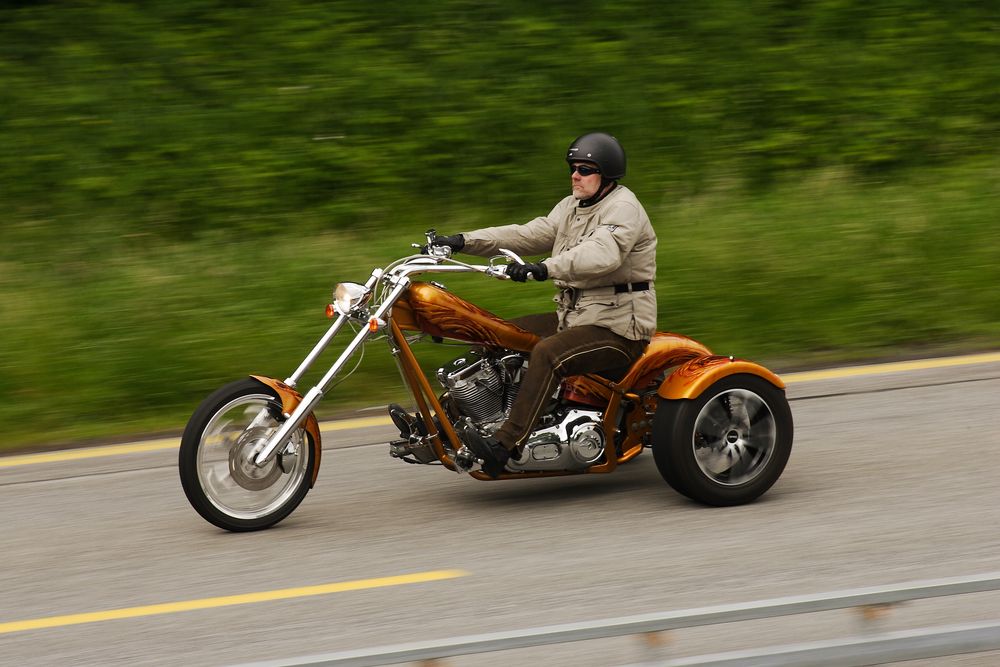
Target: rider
x,y
603,260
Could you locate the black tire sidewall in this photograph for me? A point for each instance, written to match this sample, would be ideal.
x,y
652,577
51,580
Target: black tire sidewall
x,y
663,421
188,460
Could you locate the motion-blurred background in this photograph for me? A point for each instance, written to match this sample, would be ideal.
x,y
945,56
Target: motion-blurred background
x,y
182,183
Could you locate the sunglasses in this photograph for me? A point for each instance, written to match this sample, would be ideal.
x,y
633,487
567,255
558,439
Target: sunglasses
x,y
583,170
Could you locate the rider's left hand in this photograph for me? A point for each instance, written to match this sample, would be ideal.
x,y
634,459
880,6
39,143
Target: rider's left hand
x,y
520,272
456,243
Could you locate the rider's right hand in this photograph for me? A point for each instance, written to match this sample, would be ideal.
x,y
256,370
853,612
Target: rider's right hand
x,y
519,272
456,243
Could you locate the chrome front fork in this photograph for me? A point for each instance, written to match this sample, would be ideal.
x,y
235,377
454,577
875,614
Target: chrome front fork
x,y
313,396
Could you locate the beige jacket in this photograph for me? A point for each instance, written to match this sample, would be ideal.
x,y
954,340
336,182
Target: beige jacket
x,y
593,249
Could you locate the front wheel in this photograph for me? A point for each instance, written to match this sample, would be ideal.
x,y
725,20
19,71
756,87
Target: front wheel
x,y
217,473
727,446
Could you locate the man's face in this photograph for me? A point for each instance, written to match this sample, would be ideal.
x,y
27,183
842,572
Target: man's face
x,y
585,185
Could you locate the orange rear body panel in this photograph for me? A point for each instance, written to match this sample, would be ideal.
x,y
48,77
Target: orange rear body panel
x,y
664,351
691,379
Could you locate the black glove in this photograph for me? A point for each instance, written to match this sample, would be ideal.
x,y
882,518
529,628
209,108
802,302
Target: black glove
x,y
456,243
519,272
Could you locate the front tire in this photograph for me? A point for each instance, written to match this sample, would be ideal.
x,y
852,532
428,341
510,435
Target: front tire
x,y
220,481
727,446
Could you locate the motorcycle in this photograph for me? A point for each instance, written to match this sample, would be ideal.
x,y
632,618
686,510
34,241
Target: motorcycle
x,y
720,428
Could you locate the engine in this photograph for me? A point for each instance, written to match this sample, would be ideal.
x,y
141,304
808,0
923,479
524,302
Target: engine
x,y
483,387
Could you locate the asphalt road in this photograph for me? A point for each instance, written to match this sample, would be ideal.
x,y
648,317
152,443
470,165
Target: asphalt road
x,y
893,478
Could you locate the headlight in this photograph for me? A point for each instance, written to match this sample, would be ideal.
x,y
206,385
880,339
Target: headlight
x,y
349,296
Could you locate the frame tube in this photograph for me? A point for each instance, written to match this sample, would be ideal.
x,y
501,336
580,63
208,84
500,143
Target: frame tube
x,y
423,394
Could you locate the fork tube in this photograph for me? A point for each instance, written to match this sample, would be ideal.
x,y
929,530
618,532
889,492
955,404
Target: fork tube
x,y
327,337
313,396
316,351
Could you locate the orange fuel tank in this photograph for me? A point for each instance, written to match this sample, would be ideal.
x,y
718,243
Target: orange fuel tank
x,y
438,312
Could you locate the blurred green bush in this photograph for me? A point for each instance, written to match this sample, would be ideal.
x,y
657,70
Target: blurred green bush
x,y
181,182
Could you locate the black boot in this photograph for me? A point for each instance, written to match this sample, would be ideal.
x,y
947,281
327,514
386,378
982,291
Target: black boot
x,y
494,456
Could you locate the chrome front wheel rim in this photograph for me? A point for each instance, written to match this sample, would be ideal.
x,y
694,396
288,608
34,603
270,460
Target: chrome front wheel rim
x,y
226,472
735,437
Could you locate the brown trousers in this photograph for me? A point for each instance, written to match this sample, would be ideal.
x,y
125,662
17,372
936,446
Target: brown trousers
x,y
573,351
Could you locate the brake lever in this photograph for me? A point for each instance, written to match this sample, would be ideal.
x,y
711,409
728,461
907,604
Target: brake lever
x,y
510,254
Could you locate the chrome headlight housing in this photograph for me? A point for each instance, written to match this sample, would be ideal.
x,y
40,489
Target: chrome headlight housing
x,y
350,297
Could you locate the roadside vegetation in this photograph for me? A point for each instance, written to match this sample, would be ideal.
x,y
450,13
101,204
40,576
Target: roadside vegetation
x,y
181,184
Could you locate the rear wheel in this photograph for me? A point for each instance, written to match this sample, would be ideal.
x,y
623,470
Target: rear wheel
x,y
727,446
219,478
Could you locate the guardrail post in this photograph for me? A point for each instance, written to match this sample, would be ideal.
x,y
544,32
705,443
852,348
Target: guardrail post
x,y
655,645
873,616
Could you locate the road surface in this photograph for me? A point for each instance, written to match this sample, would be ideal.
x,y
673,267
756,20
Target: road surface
x,y
893,478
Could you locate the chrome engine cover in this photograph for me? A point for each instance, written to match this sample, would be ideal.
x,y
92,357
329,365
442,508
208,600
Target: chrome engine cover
x,y
575,443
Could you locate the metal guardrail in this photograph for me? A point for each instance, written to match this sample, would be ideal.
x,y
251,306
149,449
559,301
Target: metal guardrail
x,y
864,650
858,651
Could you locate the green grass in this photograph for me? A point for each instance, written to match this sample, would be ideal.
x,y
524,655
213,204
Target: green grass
x,y
107,335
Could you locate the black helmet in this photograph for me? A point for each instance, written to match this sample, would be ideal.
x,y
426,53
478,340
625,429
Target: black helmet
x,y
601,149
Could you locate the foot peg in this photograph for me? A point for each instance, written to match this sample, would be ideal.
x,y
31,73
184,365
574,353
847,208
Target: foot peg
x,y
464,460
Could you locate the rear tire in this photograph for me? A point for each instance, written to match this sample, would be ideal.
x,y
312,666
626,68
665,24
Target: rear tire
x,y
218,479
729,445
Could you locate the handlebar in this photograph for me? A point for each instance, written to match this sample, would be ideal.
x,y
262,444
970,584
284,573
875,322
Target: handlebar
x,y
443,253
427,263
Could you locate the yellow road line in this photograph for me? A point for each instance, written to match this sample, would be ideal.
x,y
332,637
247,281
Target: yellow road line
x,y
892,367
88,453
155,445
227,601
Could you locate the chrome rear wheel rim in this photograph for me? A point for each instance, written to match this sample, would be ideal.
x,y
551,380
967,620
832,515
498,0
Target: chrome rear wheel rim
x,y
734,437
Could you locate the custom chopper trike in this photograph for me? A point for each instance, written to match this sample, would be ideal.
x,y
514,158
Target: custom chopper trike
x,y
720,428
